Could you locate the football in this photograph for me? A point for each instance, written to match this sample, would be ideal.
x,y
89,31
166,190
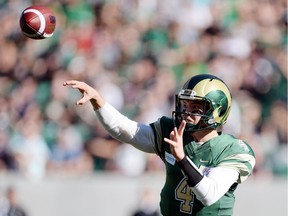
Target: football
x,y
37,22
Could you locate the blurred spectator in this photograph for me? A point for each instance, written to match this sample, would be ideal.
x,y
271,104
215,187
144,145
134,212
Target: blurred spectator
x,y
15,209
129,161
102,151
276,128
146,206
7,160
67,154
4,205
28,145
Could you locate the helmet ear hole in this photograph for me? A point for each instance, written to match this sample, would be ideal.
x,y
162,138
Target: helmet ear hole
x,y
221,111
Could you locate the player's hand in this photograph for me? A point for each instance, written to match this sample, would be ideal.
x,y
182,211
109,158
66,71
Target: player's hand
x,y
176,141
89,93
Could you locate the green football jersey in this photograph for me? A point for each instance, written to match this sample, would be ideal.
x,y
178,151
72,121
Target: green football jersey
x,y
177,198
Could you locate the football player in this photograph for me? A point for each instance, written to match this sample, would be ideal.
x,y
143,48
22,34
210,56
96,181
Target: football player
x,y
203,165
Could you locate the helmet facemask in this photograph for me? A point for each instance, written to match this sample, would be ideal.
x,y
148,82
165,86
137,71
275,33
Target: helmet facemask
x,y
181,113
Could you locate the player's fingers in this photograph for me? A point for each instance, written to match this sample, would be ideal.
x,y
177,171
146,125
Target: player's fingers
x,y
177,132
81,86
75,84
70,82
171,142
182,127
174,135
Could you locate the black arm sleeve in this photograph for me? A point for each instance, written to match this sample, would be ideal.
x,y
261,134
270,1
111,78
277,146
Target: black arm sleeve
x,y
191,171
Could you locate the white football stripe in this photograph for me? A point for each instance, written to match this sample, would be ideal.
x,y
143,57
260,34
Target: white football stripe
x,y
47,35
41,17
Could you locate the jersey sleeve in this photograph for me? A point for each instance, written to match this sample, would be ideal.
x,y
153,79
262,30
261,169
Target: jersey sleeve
x,y
240,158
161,128
156,126
125,130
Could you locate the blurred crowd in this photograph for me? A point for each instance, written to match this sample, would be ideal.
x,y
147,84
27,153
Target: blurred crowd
x,y
138,54
10,204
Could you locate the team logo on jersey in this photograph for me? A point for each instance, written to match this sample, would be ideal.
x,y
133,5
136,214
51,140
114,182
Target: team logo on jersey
x,y
170,158
205,170
203,161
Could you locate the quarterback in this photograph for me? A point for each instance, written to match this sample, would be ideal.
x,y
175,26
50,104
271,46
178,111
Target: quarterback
x,y
203,165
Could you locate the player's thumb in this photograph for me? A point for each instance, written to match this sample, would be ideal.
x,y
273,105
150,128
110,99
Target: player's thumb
x,y
83,100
